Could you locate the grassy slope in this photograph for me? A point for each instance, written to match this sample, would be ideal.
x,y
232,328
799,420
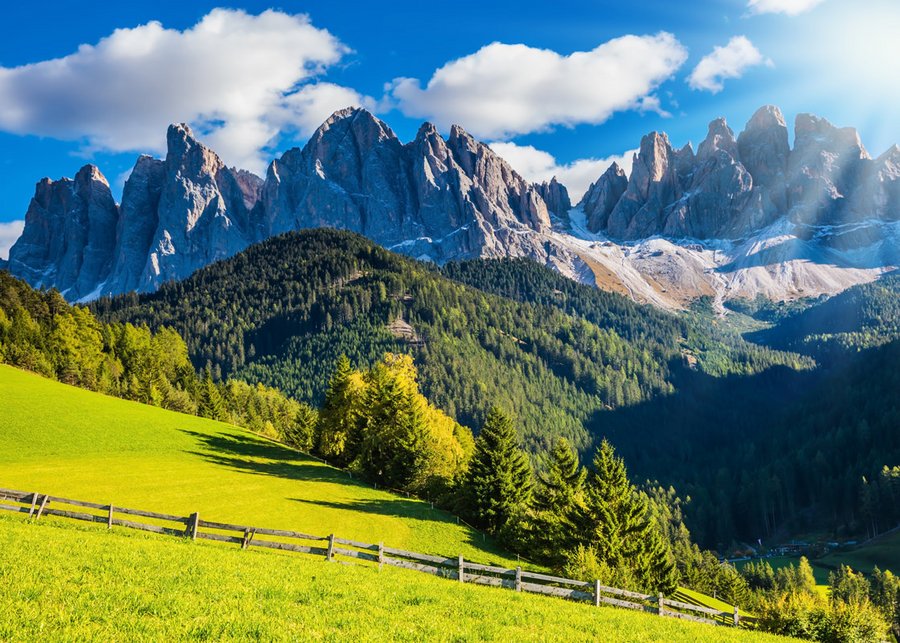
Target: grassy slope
x,y
63,581
69,442
883,552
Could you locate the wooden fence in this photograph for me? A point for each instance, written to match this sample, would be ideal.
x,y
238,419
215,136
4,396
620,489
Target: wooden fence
x,y
331,547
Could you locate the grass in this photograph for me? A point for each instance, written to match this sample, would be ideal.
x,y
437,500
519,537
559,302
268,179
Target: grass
x,y
691,597
883,552
66,581
69,442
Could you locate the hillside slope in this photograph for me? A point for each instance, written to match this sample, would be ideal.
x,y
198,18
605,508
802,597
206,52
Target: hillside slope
x,y
73,443
283,311
137,587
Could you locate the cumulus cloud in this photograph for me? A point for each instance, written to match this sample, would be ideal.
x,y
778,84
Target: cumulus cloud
x,y
9,232
503,90
238,79
729,61
538,166
788,7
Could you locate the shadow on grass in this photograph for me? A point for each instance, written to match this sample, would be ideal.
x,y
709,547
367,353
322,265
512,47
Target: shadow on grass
x,y
250,454
410,510
253,455
397,507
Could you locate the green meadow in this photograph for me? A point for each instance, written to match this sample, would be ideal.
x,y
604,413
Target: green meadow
x,y
69,442
62,580
883,552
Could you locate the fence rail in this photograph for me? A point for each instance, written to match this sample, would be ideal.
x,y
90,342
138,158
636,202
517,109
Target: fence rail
x,y
36,505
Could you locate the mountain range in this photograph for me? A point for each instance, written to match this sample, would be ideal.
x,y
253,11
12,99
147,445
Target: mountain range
x,y
743,216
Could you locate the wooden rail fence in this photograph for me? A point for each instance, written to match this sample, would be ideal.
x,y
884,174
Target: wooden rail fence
x,y
331,546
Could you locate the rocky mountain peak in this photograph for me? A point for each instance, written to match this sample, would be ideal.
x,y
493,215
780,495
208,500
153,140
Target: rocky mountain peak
x,y
603,195
719,137
69,235
364,127
815,132
655,155
89,175
767,117
763,148
187,154
556,196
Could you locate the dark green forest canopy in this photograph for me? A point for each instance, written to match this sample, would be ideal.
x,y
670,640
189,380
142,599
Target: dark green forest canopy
x,y
861,317
552,351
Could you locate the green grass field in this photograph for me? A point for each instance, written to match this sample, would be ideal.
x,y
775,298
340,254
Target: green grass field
x,y
61,580
69,442
883,552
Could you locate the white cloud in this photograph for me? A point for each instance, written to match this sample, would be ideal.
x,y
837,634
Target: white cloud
x,y
9,232
789,7
503,90
538,166
240,80
729,61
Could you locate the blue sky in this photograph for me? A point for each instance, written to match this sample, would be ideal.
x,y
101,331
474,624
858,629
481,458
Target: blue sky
x,y
563,88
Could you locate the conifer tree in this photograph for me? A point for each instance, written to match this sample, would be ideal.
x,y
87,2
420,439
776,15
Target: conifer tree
x,y
380,426
337,418
499,481
211,405
549,529
617,528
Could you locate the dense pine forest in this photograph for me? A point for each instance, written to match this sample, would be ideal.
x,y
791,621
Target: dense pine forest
x,y
283,312
41,332
860,317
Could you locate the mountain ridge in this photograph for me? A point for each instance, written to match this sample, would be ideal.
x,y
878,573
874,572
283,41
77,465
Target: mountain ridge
x,y
744,215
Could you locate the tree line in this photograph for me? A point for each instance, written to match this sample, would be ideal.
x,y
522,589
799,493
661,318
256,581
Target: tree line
x,y
787,601
41,332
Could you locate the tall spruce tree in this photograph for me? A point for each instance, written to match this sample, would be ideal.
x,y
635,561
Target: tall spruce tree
x,y
337,425
211,403
499,481
550,529
618,529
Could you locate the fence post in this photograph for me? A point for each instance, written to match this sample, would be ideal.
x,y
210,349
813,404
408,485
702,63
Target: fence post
x,y
462,578
519,579
737,617
41,508
33,504
193,525
330,555
380,555
109,519
661,610
597,592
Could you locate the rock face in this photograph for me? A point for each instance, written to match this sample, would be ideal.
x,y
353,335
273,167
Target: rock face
x,y
556,196
602,197
653,186
432,198
735,187
70,234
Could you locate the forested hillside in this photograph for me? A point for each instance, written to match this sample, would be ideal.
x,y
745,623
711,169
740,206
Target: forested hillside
x,y
41,332
760,452
860,317
283,311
